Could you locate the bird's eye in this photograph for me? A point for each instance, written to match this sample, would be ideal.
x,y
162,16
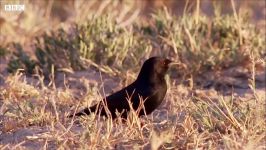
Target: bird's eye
x,y
164,63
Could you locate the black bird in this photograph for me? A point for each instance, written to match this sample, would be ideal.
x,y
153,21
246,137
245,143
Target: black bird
x,y
149,89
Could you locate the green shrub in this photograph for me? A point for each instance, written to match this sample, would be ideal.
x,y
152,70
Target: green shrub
x,y
58,49
201,43
20,59
102,40
208,43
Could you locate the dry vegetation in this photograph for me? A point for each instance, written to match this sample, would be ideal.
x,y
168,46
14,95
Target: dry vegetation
x,y
215,98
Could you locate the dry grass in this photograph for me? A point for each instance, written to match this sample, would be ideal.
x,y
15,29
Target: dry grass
x,y
49,82
187,120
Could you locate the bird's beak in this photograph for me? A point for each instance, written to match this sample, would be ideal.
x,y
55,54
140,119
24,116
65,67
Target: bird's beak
x,y
178,64
171,63
174,63
168,61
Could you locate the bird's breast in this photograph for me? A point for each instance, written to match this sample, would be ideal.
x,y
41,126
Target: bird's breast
x,y
154,97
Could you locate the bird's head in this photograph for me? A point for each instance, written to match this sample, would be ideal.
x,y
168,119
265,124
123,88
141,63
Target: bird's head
x,y
154,67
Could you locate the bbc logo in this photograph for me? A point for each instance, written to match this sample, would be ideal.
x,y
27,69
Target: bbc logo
x,y
14,7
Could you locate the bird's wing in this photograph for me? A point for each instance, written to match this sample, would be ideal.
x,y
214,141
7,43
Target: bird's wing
x,y
133,93
119,99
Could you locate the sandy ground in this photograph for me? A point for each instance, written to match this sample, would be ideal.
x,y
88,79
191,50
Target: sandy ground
x,y
33,137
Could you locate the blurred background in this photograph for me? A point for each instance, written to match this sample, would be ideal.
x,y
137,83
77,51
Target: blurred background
x,y
114,35
59,55
43,15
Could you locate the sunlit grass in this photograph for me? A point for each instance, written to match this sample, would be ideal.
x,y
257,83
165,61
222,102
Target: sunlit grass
x,y
190,117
